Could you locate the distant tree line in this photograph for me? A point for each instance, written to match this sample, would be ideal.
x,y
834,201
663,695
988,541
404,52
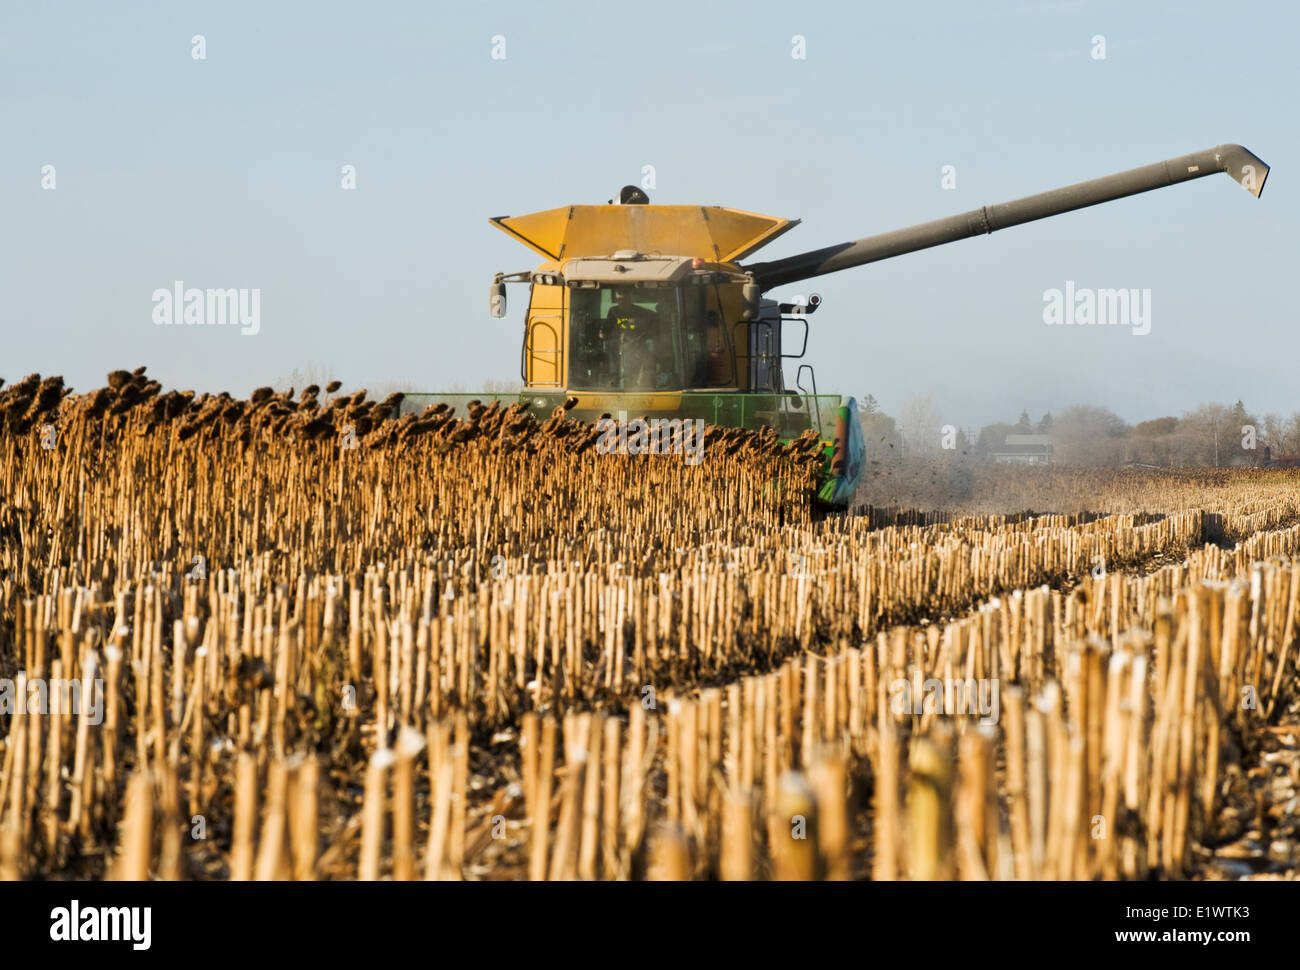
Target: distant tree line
x,y
1213,434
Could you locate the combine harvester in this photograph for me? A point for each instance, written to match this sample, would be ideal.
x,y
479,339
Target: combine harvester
x,y
647,311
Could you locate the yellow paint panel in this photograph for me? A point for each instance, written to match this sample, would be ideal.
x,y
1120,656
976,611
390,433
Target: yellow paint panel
x,y
710,232
542,231
544,345
634,404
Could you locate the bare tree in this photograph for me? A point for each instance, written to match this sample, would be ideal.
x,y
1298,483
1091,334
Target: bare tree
x,y
919,423
1291,434
880,434
1203,431
1273,434
1214,434
1087,435
300,377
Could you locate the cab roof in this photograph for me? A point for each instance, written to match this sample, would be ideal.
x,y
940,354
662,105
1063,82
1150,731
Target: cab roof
x,y
710,232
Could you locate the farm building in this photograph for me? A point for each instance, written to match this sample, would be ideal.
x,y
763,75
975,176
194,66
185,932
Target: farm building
x,y
1025,449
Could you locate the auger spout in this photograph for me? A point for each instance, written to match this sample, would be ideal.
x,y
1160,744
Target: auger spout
x,y
1235,160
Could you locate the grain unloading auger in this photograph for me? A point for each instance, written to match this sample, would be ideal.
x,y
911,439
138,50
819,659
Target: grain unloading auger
x,y
646,310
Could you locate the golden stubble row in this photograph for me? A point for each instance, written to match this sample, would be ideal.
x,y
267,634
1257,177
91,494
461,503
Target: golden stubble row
x,y
235,692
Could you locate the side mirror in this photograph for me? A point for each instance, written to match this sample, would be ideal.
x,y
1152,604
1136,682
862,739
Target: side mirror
x,y
753,301
497,299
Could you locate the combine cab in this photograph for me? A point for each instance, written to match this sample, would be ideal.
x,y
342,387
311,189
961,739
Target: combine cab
x,y
646,311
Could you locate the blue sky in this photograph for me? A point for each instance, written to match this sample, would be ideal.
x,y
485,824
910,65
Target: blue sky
x,y
225,172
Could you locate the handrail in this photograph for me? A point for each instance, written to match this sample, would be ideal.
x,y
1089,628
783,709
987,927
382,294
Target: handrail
x,y
812,378
528,353
773,360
